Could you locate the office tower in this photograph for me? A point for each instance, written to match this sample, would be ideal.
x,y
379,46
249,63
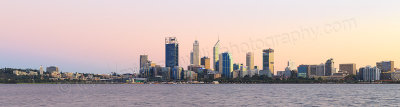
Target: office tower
x,y
171,52
329,67
250,60
191,58
196,53
348,68
205,61
41,71
52,69
369,73
225,64
268,60
216,55
304,71
386,66
143,61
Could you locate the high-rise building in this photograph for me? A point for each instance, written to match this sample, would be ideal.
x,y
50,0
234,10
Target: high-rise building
x,y
205,61
369,73
143,61
216,55
386,66
329,67
225,64
268,60
196,53
250,60
349,68
171,52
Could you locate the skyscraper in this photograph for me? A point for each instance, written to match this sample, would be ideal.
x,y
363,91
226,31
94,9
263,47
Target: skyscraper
x,y
143,61
386,66
225,64
250,60
205,61
216,55
329,67
171,52
349,68
268,60
196,54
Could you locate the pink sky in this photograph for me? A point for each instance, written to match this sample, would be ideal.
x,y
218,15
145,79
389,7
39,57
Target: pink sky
x,y
104,36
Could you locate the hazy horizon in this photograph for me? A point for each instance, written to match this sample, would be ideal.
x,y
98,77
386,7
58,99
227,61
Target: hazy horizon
x,y
96,36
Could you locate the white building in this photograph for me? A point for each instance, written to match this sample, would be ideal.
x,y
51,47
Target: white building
x,y
250,60
369,73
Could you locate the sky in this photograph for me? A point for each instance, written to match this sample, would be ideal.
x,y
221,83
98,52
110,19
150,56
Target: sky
x,y
103,36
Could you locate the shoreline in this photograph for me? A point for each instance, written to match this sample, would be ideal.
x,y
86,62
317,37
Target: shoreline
x,y
196,83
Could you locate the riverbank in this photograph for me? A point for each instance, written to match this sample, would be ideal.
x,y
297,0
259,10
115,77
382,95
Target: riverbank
x,y
206,83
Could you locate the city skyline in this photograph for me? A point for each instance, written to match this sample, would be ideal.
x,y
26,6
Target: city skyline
x,y
104,40
184,53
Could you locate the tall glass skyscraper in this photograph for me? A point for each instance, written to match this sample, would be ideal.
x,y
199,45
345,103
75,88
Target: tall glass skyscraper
x,y
216,55
329,67
225,64
268,60
171,52
143,61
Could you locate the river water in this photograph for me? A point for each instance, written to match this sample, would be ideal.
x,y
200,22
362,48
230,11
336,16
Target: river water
x,y
207,95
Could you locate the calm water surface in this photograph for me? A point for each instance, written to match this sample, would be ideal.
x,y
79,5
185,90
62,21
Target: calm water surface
x,y
292,95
